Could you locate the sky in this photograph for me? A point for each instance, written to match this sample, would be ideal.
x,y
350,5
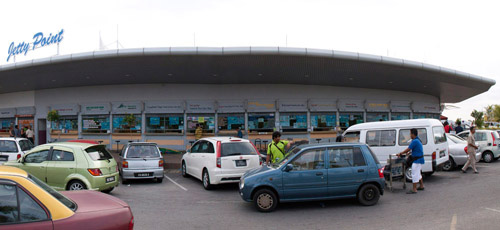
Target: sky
x,y
461,35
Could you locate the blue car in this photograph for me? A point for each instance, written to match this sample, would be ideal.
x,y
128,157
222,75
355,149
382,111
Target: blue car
x,y
316,172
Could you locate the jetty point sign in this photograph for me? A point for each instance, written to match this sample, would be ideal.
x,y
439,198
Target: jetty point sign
x,y
39,40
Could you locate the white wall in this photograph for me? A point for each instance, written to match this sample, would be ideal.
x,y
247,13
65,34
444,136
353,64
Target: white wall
x,y
18,99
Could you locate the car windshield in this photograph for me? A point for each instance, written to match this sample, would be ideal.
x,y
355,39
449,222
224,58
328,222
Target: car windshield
x,y
25,145
142,151
287,157
64,200
8,146
98,152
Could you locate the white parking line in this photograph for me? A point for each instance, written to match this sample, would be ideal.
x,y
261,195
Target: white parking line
x,y
494,210
180,186
453,225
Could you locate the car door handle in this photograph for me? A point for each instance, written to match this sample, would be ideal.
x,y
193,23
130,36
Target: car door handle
x,y
319,174
361,170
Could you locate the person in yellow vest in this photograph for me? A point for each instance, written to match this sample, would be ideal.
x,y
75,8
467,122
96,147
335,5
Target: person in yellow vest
x,y
276,149
198,132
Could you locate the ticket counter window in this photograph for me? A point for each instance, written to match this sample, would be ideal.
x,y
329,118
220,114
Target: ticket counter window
x,y
323,121
400,116
261,122
95,124
121,126
349,119
207,123
6,123
231,122
66,124
164,123
377,117
293,122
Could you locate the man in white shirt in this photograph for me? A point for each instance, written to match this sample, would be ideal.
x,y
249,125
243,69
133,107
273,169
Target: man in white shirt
x,y
30,134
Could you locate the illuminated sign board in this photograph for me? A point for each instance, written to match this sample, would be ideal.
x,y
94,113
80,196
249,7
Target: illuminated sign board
x,y
39,40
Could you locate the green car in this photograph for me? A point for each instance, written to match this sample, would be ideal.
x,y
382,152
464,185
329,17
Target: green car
x,y
71,166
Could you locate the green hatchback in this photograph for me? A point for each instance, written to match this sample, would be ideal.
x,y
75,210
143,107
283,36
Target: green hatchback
x,y
71,166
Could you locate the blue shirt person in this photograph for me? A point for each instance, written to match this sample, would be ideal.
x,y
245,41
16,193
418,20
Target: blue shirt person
x,y
240,133
417,151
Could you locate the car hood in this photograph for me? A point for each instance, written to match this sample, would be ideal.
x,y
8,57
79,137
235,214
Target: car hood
x,y
91,201
256,171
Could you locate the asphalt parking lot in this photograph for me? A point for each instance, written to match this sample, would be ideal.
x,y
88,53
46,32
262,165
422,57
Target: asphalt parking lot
x,y
451,200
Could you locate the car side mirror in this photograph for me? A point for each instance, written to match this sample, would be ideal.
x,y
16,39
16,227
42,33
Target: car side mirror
x,y
288,168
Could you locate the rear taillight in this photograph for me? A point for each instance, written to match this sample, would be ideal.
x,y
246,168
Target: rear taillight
x,y
258,153
465,149
494,141
434,156
131,224
381,172
18,156
160,163
124,164
219,150
95,172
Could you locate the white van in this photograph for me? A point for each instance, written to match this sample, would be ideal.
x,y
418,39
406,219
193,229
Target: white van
x,y
392,137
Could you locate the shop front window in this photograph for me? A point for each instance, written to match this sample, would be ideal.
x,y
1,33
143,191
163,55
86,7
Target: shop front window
x,y
66,124
5,124
400,116
164,123
122,125
293,122
349,119
323,121
425,115
377,117
95,124
228,122
207,122
261,122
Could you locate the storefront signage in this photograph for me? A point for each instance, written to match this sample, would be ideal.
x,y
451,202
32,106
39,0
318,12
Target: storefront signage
x,y
377,106
351,105
425,107
261,106
126,107
25,111
292,105
230,106
200,107
39,40
95,108
164,107
323,105
400,106
7,113
66,109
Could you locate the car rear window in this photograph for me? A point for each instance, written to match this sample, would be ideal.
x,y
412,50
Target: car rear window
x,y
98,152
64,200
237,148
142,151
373,155
8,146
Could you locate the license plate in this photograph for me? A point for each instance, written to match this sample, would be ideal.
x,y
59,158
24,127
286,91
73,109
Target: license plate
x,y
4,158
143,174
110,179
442,154
241,163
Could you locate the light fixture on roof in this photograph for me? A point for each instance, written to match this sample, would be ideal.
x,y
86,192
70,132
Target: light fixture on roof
x,y
53,80
87,77
425,86
260,75
127,75
215,75
390,82
307,75
170,74
350,79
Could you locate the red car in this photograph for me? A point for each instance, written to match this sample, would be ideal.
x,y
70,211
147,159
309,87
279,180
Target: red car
x,y
28,203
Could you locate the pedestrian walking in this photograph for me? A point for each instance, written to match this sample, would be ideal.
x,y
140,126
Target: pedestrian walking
x,y
447,127
30,134
240,133
459,128
471,151
276,149
17,132
198,132
11,131
417,154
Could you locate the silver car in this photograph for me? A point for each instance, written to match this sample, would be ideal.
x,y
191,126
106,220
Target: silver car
x,y
141,160
458,156
488,142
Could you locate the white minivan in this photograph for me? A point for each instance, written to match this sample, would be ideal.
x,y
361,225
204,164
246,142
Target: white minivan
x,y
392,137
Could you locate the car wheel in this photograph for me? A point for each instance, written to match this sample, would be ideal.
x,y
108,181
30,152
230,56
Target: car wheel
x,y
206,180
449,165
108,190
184,171
76,185
408,174
487,157
265,200
368,195
159,180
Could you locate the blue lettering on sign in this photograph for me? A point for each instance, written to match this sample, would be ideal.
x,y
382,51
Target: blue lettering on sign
x,y
38,41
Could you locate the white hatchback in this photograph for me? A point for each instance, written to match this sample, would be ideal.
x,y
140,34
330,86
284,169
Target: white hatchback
x,y
13,148
219,160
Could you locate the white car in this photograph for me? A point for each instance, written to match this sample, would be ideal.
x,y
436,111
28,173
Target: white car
x,y
488,142
13,148
458,156
219,160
